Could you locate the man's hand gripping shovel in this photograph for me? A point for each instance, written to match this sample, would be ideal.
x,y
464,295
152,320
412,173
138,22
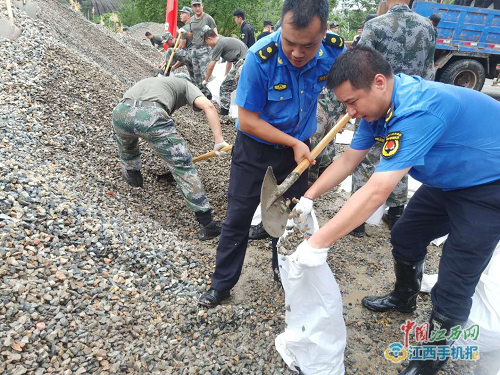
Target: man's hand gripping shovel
x,y
275,211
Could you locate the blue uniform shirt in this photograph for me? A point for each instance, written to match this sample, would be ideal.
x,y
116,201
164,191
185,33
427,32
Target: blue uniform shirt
x,y
448,135
285,96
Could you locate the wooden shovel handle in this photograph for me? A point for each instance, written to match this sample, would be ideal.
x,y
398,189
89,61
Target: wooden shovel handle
x,y
304,164
173,52
211,154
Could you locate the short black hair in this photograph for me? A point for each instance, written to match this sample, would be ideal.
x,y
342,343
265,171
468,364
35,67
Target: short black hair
x,y
267,23
435,19
148,33
332,25
305,10
210,34
239,13
359,66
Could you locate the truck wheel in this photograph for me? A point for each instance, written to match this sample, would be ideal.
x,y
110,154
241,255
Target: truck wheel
x,y
466,73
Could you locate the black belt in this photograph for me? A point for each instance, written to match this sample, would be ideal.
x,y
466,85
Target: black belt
x,y
143,103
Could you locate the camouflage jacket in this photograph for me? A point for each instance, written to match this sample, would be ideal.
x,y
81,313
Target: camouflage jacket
x,y
406,39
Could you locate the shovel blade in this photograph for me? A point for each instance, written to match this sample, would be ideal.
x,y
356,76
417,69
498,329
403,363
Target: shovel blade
x,y
275,215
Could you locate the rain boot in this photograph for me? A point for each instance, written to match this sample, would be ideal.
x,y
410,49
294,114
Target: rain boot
x,y
393,215
404,296
429,367
209,227
133,178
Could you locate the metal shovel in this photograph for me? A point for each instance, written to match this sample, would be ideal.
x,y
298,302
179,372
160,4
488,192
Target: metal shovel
x,y
274,210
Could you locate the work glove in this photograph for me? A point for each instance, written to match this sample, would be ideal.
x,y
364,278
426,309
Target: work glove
x,y
182,30
220,145
302,210
308,256
204,83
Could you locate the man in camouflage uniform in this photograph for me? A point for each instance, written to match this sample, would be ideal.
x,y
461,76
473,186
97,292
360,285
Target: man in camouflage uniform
x,y
328,112
406,40
200,55
144,112
232,50
183,53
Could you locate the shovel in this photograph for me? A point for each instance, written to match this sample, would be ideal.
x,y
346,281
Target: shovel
x,y
211,154
274,210
173,53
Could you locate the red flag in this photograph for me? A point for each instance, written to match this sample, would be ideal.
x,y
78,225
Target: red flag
x,y
171,17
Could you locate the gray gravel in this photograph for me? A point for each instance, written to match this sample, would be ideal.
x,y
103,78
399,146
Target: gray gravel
x,y
98,277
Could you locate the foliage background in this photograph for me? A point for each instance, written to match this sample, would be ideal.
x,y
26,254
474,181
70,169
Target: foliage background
x,y
347,13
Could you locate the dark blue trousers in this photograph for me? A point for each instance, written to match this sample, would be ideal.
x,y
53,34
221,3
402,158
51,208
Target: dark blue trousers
x,y
472,218
248,167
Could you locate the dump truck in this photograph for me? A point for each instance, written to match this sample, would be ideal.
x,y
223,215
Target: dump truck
x,y
467,43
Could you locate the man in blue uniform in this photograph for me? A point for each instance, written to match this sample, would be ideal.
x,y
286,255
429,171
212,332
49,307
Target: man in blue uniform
x,y
277,96
429,129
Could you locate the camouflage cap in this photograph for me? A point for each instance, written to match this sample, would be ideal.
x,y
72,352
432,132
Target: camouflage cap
x,y
186,9
166,36
193,2
204,31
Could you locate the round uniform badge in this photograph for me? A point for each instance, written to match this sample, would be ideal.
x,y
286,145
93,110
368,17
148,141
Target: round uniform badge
x,y
392,144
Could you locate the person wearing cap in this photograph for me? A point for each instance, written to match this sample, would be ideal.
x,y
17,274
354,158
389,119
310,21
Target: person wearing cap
x,y
334,28
156,40
277,99
356,38
200,54
247,31
234,52
145,112
183,53
266,31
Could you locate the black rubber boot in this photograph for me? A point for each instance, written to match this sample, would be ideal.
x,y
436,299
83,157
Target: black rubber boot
x,y
133,178
209,96
223,111
437,321
393,215
209,227
257,232
359,231
404,296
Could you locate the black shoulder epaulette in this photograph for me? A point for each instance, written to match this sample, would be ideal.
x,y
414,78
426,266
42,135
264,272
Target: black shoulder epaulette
x,y
334,41
267,51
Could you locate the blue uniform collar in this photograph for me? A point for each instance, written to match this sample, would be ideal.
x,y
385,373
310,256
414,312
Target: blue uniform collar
x,y
283,60
392,107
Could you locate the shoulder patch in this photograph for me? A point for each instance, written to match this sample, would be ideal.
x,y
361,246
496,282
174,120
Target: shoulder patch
x,y
334,41
392,144
267,51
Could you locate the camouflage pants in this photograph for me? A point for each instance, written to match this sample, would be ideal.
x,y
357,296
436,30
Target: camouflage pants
x,y
229,85
365,169
184,56
201,59
329,109
153,125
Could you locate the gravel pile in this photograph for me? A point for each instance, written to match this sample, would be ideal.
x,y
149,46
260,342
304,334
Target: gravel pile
x,y
98,277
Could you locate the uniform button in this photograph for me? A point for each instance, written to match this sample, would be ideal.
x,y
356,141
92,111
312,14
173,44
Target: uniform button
x,y
302,92
281,98
301,110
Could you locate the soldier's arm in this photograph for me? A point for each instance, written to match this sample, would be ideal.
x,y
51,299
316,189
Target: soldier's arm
x,y
210,69
176,65
212,117
229,65
182,43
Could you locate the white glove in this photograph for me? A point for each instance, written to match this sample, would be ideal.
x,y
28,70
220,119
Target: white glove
x,y
181,30
218,146
204,83
302,210
308,256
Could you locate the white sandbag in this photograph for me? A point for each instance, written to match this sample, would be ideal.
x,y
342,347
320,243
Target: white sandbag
x,y
216,80
233,109
257,216
376,217
315,335
485,310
